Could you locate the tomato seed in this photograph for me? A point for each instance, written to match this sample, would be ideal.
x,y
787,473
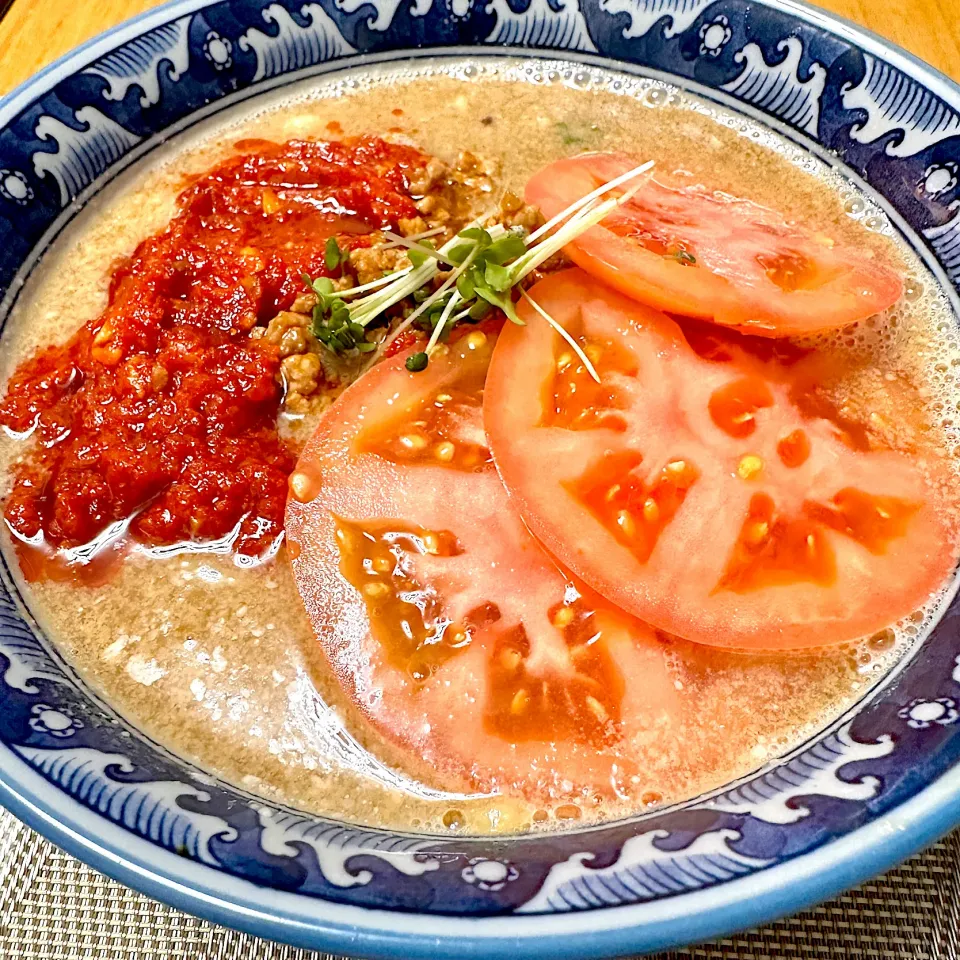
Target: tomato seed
x,y
510,659
626,523
596,708
520,701
302,488
444,451
749,466
794,449
756,533
563,617
413,441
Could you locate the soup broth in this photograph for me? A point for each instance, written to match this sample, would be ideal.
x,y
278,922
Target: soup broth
x,y
216,659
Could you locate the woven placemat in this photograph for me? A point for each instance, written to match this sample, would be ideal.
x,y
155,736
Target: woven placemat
x,y
52,907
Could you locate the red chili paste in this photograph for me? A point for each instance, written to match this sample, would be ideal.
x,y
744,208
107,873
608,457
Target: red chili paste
x,y
163,409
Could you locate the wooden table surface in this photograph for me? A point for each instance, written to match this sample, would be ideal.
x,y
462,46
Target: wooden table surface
x,y
34,32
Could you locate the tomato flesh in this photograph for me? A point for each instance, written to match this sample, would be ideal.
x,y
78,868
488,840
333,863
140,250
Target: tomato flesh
x,y
450,627
730,502
701,253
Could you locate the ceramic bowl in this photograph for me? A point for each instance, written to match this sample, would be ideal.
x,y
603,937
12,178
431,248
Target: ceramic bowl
x,y
873,787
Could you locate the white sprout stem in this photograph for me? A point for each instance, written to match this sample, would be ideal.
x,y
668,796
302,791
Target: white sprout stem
x,y
442,321
414,237
496,232
582,222
589,198
372,285
559,327
410,244
369,308
436,296
372,306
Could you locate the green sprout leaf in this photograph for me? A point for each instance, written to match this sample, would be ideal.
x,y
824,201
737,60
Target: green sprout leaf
x,y
460,253
466,285
497,278
418,254
333,327
505,249
333,256
478,235
417,362
479,310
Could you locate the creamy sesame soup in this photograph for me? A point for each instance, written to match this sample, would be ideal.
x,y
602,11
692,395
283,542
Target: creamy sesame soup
x,y
206,646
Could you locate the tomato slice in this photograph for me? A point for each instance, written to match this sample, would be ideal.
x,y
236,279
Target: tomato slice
x,y
707,484
455,633
706,254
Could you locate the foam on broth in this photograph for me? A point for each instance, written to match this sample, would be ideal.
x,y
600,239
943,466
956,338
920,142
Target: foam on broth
x,y
218,662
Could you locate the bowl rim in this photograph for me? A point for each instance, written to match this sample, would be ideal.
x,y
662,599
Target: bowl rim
x,y
316,923
320,924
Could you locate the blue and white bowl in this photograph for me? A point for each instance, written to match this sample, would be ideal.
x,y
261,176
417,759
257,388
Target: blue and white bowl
x,y
878,784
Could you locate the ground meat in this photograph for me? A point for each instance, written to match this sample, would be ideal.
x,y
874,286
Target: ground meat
x,y
453,195
434,207
304,303
370,263
291,333
302,375
559,261
471,171
515,213
428,177
412,226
